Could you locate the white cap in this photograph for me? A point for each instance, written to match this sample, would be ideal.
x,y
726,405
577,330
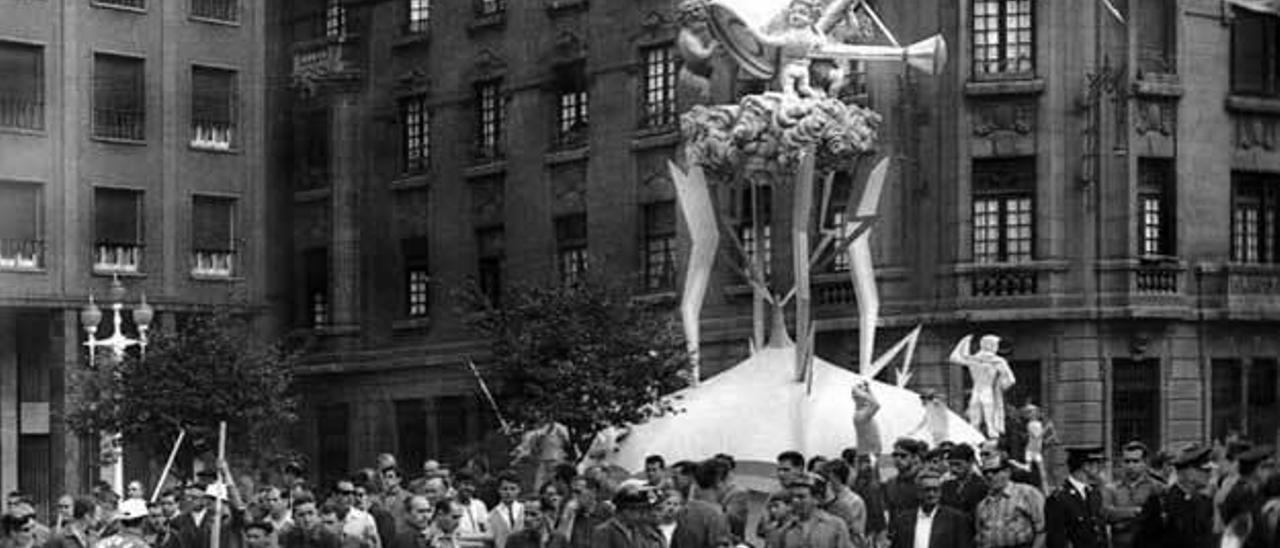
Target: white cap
x,y
132,509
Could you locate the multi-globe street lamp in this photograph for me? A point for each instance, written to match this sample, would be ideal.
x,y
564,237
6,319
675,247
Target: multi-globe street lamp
x,y
118,343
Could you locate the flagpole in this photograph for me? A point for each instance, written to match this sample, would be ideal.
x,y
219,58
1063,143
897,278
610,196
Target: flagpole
x,y
484,388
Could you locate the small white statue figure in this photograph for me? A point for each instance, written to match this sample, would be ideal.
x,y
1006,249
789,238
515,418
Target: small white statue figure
x,y
991,377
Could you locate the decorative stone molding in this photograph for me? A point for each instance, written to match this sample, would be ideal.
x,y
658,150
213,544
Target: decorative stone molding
x,y
1256,132
1155,116
1004,128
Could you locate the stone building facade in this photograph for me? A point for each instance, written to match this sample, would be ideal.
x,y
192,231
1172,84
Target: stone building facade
x,y
1097,192
130,146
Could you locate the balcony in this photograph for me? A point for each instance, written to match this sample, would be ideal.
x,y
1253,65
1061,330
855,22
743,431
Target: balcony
x,y
1149,286
121,124
21,112
217,10
117,259
20,255
213,264
1001,289
330,57
211,135
1252,288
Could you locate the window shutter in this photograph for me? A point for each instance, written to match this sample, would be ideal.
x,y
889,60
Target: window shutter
x,y
117,83
211,94
21,66
116,216
19,211
212,218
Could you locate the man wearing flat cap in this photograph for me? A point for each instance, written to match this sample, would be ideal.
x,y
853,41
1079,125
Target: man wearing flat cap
x,y
809,526
635,524
1181,516
1073,513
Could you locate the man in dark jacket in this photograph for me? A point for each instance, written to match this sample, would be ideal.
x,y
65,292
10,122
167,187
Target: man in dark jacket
x,y
634,526
417,522
79,531
1073,513
537,531
945,527
1181,516
308,531
966,488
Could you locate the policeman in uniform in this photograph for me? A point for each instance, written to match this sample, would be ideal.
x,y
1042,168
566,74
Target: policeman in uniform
x,y
1182,516
1073,513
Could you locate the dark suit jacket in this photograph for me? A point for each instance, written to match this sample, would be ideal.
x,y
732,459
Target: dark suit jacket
x,y
186,534
951,529
612,534
1070,520
528,538
700,525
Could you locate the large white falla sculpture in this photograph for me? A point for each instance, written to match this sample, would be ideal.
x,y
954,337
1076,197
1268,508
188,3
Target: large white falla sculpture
x,y
791,140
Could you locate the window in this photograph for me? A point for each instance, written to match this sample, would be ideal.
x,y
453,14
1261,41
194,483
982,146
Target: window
x,y
315,264
490,7
417,277
1255,54
117,222
22,88
1155,26
135,4
219,10
1155,200
1003,38
335,18
311,154
1255,201
1003,210
490,243
838,218
1027,389
419,15
213,95
411,430
119,99
571,247
21,246
415,120
571,96
1135,401
758,225
212,240
489,119
660,246
659,87
452,414
1245,398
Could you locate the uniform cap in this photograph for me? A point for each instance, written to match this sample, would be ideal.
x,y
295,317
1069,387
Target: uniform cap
x,y
1194,456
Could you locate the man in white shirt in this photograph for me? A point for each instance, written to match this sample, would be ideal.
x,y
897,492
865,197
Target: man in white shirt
x,y
508,516
473,524
356,523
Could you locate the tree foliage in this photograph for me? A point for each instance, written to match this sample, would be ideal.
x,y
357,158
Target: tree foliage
x,y
586,355
212,368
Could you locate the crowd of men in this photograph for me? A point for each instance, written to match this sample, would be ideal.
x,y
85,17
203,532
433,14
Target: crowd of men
x,y
948,496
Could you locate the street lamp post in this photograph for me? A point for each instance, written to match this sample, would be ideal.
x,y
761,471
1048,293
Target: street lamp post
x,y
117,342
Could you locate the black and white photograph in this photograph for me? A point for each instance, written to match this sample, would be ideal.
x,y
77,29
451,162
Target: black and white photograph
x,y
640,273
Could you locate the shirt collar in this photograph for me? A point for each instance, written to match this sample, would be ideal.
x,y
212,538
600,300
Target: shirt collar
x,y
1079,486
921,514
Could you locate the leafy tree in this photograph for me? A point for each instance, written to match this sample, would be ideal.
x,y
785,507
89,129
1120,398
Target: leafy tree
x,y
212,368
587,355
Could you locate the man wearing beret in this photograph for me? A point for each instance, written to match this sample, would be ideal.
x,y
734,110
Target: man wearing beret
x,y
1182,516
1073,513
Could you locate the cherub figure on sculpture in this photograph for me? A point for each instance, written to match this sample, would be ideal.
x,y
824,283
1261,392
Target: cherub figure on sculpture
x,y
797,42
991,378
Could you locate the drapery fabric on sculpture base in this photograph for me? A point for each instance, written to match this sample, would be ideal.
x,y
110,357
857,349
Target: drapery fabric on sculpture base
x,y
756,410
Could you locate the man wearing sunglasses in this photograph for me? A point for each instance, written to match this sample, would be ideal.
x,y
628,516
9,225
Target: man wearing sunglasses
x,y
355,523
1122,501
